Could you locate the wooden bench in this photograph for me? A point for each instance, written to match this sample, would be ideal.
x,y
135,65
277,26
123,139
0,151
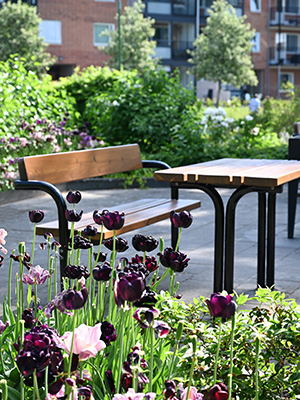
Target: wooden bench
x,y
42,172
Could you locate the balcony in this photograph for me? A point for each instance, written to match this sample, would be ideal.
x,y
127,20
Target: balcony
x,y
286,56
175,50
287,16
204,11
184,7
30,2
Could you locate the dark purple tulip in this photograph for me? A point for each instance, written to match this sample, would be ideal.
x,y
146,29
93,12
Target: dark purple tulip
x,y
25,259
110,381
90,231
85,392
121,244
74,197
1,260
148,299
181,220
129,287
80,242
27,316
97,217
218,392
113,220
108,333
144,243
3,326
102,272
76,271
150,263
73,216
101,258
170,390
74,300
36,216
221,306
175,260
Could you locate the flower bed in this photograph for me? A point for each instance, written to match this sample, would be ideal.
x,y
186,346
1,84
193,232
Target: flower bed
x,y
111,334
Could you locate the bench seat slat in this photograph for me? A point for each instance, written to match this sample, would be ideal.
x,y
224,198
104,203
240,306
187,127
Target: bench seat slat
x,y
138,214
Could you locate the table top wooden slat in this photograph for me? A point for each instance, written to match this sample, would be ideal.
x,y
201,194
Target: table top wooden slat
x,y
235,172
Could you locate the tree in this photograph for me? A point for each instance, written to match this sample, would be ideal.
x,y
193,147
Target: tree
x,y
137,48
19,34
222,53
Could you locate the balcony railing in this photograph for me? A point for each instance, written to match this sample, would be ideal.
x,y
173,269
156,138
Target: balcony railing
x,y
175,49
30,2
285,56
184,7
289,16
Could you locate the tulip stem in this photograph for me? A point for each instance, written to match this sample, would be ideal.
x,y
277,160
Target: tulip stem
x,y
72,343
231,357
217,351
178,240
151,358
99,248
9,281
35,383
121,344
165,274
257,346
192,367
33,242
35,299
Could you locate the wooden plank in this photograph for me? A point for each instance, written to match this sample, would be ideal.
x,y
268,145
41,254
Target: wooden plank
x,y
157,210
76,165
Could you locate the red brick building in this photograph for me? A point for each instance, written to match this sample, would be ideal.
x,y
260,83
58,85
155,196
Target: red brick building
x,y
72,27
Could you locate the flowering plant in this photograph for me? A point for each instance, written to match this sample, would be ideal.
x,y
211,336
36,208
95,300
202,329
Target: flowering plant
x,y
109,333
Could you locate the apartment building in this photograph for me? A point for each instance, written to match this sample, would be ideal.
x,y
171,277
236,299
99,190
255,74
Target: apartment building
x,y
72,28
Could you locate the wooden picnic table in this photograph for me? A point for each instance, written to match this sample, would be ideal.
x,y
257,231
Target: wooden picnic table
x,y
265,177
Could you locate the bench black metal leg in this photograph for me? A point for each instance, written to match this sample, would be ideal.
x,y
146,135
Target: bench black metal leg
x,y
261,240
292,204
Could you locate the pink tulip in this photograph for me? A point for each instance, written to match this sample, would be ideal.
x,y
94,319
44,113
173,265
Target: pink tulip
x,y
87,341
3,234
37,275
131,395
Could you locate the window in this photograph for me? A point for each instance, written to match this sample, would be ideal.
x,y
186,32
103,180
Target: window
x,y
50,31
256,43
292,6
292,43
255,5
285,78
101,40
162,34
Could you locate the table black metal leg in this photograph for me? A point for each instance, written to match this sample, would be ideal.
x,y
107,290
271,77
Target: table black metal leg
x,y
271,239
261,240
219,228
229,233
292,204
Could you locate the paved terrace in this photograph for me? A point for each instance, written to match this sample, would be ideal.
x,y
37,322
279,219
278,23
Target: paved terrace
x,y
197,241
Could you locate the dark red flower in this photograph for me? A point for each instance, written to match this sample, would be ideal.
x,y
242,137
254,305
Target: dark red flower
x,y
170,390
150,263
74,197
74,300
218,392
144,243
73,216
108,333
102,272
76,271
110,380
90,231
121,244
27,316
221,306
97,217
129,287
80,242
36,216
1,260
181,220
101,258
112,220
175,260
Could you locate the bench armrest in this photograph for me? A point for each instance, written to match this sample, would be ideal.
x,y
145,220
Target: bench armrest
x,y
155,164
61,208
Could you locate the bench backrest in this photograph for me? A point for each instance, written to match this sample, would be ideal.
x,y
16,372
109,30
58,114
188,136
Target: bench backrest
x,y
75,165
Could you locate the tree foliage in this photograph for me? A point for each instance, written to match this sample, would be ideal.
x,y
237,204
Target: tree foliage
x,y
137,48
223,51
19,34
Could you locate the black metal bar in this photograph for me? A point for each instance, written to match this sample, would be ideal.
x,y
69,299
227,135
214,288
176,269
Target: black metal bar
x,y
61,208
261,240
292,205
271,240
219,227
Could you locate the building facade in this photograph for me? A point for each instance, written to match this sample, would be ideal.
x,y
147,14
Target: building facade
x,y
72,28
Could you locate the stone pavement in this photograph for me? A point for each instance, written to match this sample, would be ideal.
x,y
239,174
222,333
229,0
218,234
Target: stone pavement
x,y
197,241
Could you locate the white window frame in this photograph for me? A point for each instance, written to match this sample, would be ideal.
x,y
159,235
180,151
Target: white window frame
x,y
291,79
104,1
54,27
256,43
108,26
254,9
